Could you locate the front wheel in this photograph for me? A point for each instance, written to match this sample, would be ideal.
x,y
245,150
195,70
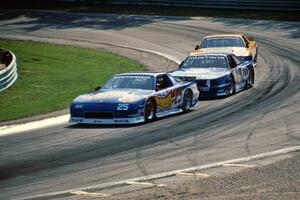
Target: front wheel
x,y
149,111
187,101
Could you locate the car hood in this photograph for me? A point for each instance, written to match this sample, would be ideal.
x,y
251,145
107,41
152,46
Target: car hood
x,y
238,51
203,73
112,96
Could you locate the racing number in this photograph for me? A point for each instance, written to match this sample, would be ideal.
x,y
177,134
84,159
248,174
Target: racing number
x,y
122,106
245,73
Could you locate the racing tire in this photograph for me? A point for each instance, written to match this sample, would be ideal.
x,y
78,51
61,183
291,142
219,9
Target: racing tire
x,y
232,86
187,101
149,110
250,81
255,58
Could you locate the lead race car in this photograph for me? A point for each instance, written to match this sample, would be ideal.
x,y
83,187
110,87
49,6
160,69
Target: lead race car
x,y
216,74
130,98
245,48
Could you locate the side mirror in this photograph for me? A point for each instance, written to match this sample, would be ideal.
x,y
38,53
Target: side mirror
x,y
247,45
197,47
98,87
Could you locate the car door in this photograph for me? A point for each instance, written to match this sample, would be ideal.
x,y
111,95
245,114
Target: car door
x,y
236,70
241,71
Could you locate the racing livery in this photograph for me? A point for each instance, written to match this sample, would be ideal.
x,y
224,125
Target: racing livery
x,y
130,98
243,47
216,74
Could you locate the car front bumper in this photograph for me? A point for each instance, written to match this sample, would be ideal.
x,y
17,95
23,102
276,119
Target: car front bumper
x,y
131,120
216,91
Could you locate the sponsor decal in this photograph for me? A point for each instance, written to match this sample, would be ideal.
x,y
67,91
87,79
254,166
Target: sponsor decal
x,y
222,37
104,95
245,73
173,96
164,102
125,96
201,57
129,98
121,121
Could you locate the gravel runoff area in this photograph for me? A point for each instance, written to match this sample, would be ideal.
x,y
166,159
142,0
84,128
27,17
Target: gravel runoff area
x,y
278,180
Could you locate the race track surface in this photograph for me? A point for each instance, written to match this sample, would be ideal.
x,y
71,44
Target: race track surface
x,y
261,119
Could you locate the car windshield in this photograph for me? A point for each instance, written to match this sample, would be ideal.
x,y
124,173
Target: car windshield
x,y
227,41
201,61
142,82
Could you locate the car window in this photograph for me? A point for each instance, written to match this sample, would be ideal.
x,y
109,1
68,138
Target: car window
x,y
223,41
231,62
163,82
174,79
236,60
204,61
245,39
143,82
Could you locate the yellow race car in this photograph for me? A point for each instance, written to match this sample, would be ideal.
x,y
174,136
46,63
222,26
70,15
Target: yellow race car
x,y
245,48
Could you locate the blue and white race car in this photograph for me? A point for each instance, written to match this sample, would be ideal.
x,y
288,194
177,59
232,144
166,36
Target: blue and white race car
x,y
130,98
216,74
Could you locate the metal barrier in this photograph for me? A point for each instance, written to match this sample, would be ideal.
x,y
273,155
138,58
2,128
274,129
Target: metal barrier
x,y
272,5
9,74
289,5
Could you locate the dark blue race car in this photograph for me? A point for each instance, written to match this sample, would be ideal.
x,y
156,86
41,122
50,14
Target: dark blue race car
x,y
133,98
216,74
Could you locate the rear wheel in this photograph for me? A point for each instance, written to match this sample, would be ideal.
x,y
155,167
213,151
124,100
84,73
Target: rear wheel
x,y
187,101
149,112
231,86
255,58
250,81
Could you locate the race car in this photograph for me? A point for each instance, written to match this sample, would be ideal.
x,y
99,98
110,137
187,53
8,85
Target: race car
x,y
244,48
131,98
216,74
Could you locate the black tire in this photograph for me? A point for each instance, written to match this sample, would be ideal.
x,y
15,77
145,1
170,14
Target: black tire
x,y
187,101
250,81
149,110
255,58
232,86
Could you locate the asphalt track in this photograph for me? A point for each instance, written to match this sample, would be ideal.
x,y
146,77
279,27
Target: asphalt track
x,y
261,119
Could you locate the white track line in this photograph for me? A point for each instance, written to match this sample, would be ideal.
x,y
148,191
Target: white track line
x,y
146,184
91,194
193,174
237,165
13,129
167,174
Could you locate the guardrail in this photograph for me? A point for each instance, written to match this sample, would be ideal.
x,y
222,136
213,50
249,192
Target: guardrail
x,y
9,74
274,5
228,4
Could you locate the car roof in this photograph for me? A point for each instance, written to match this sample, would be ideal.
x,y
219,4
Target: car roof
x,y
227,34
141,74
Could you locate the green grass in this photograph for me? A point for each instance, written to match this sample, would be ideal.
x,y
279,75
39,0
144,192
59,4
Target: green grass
x,y
50,76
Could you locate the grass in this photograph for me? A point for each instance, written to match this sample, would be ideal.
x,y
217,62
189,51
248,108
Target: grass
x,y
50,76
